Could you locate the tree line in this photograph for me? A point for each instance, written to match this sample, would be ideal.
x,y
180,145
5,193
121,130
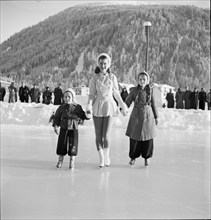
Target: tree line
x,y
64,47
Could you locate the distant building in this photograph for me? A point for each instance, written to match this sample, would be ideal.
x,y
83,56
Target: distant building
x,y
83,90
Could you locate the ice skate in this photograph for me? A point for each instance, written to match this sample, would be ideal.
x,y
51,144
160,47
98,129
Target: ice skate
x,y
72,162
60,161
146,162
106,157
132,162
101,155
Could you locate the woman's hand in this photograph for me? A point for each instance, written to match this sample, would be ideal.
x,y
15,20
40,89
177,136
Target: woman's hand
x,y
88,111
124,109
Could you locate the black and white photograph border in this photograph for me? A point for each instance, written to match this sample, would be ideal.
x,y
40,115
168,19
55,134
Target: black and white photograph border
x,y
174,185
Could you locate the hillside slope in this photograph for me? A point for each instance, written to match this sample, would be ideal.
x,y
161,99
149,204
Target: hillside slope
x,y
64,47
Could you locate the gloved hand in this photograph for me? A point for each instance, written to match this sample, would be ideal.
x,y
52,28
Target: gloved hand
x,y
56,130
124,109
88,111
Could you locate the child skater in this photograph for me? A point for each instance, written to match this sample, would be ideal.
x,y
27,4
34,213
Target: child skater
x,y
143,118
68,116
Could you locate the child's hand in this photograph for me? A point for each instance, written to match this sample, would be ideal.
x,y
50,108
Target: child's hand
x,y
80,121
56,130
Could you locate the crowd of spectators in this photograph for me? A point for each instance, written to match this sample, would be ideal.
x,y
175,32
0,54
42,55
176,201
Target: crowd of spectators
x,y
25,94
188,99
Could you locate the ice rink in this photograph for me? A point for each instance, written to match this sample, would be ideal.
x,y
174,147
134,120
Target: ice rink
x,y
175,185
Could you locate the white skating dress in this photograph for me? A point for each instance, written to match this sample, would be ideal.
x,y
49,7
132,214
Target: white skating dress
x,y
101,88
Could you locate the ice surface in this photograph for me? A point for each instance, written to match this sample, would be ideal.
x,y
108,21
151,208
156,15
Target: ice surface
x,y
175,185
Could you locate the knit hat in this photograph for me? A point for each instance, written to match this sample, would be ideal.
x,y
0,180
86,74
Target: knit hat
x,y
146,74
72,93
107,56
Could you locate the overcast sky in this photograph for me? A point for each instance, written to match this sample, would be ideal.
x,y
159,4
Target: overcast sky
x,y
17,15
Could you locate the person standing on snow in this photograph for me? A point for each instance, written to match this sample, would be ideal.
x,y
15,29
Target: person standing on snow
x,y
58,95
186,98
202,99
2,93
35,94
170,99
12,93
179,99
47,96
23,93
208,99
194,96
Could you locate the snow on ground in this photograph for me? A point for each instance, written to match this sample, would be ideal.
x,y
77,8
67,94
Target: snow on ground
x,y
39,114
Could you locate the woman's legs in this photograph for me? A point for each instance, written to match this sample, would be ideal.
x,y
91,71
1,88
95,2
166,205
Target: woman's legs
x,y
103,127
107,127
98,124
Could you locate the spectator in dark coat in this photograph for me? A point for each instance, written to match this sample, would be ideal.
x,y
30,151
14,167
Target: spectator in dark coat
x,y
186,96
35,94
124,93
24,93
202,99
2,93
194,99
12,93
58,95
170,99
47,96
208,99
179,99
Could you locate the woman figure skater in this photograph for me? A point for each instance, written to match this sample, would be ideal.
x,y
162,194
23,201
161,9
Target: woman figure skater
x,y
103,88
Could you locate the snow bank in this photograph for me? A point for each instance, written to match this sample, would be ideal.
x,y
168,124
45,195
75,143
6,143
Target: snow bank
x,y
39,114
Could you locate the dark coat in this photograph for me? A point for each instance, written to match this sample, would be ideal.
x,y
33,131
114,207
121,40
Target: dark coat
x,y
194,99
2,93
170,100
179,100
24,93
35,95
141,125
69,116
186,97
12,94
202,100
58,96
47,97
